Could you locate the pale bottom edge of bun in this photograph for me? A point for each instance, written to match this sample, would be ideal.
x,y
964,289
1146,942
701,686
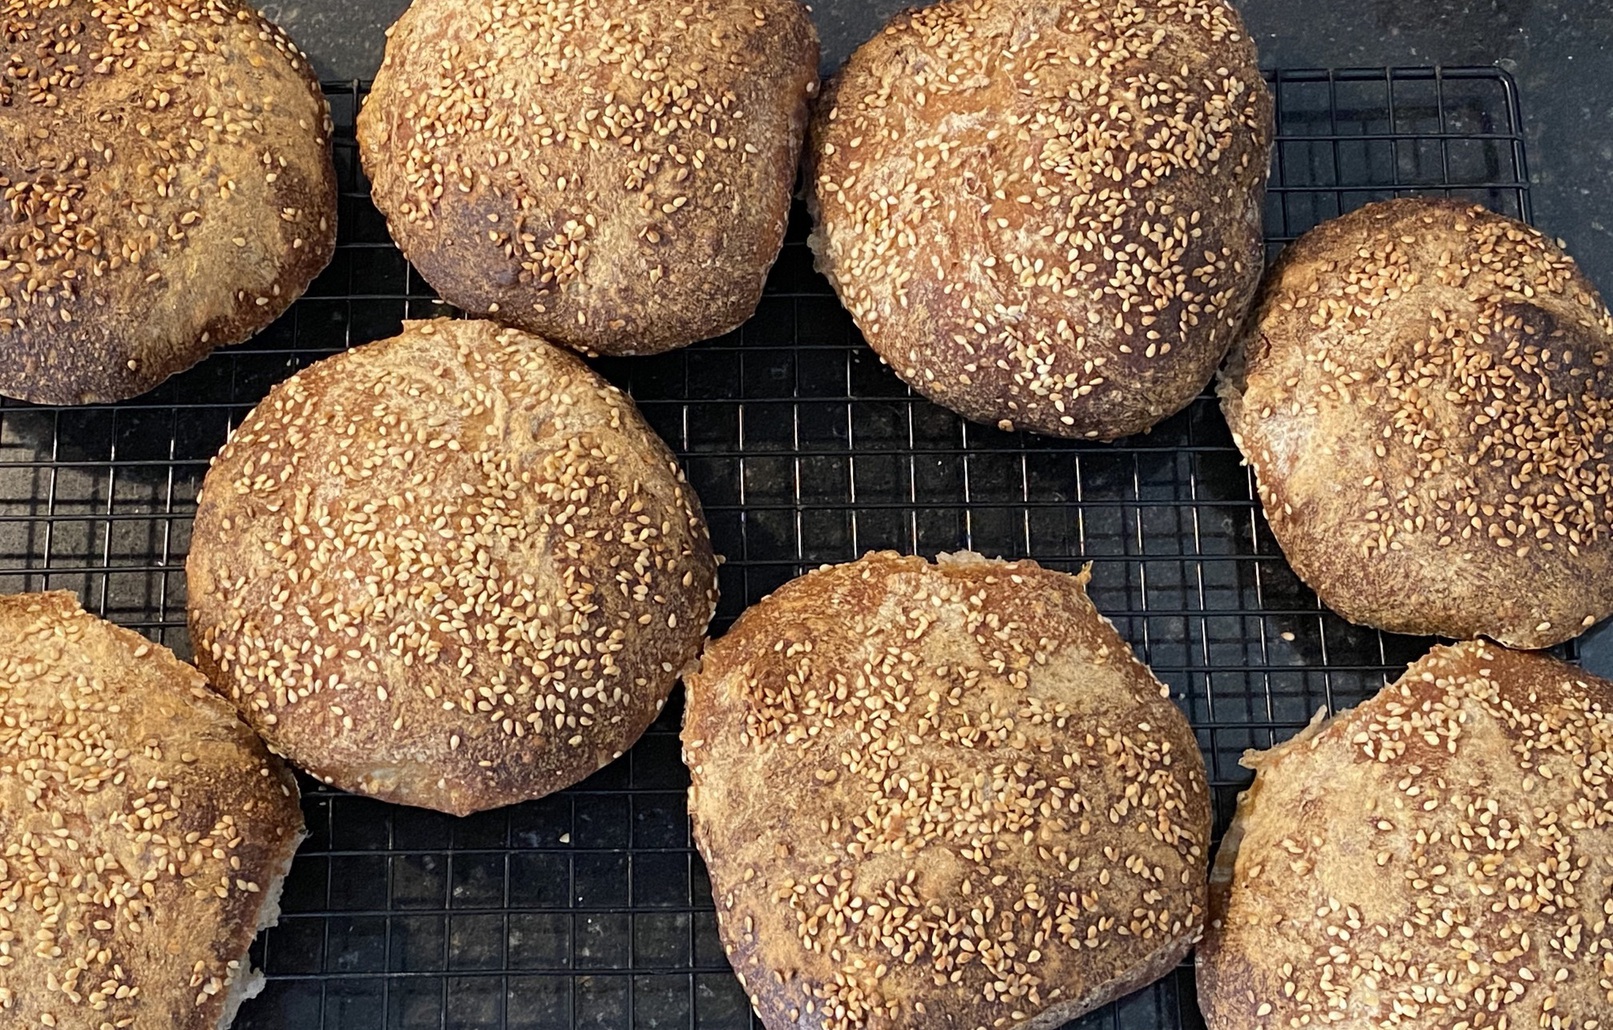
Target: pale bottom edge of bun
x,y
247,983
1226,856
242,989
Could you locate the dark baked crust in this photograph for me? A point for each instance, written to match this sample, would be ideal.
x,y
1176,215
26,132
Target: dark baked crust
x,y
1425,395
170,187
146,827
612,176
1435,859
942,796
452,569
1045,215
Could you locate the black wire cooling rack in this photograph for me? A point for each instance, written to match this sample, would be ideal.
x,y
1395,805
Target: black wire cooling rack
x,y
589,908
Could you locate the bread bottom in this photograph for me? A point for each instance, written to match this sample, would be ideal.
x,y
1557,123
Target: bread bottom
x,y
246,983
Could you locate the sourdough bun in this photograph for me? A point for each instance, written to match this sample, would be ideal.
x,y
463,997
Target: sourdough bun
x,y
147,829
614,176
1425,395
942,796
452,569
170,188
1046,216
1436,858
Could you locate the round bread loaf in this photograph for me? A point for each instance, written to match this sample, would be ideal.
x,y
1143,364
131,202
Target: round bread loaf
x,y
1046,216
942,796
452,569
168,180
1425,395
147,830
613,176
1436,859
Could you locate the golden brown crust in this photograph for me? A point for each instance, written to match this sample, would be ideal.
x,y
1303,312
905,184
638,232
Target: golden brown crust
x,y
613,176
942,796
1438,858
1425,395
1046,215
453,569
170,187
146,828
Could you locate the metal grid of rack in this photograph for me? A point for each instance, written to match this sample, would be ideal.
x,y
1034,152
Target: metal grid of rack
x,y
589,908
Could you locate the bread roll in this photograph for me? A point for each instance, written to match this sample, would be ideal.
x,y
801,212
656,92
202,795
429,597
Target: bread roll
x,y
942,796
1045,214
1425,396
147,830
613,176
452,569
1437,858
167,169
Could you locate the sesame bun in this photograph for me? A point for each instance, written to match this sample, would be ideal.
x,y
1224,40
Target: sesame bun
x,y
614,176
452,569
1046,215
170,188
1424,393
147,830
1437,858
985,813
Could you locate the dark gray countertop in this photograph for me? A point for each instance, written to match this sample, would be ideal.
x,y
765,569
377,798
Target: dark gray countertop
x,y
1560,52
